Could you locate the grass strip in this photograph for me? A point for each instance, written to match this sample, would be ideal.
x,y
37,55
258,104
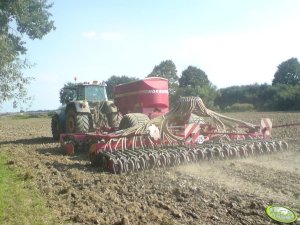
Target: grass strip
x,y
20,202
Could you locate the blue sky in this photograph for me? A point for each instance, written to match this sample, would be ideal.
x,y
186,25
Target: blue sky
x,y
236,42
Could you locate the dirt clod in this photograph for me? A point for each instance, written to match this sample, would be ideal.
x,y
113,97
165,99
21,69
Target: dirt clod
x,y
231,191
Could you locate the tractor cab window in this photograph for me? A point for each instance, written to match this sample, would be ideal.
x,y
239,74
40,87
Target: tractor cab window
x,y
95,93
91,93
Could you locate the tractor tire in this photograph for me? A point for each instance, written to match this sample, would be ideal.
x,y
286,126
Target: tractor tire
x,y
196,119
112,115
55,127
77,122
133,119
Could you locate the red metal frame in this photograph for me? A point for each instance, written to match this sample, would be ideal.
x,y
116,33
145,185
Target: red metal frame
x,y
111,141
149,96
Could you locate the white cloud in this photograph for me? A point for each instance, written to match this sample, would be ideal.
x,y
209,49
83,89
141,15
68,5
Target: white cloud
x,y
241,58
111,36
89,34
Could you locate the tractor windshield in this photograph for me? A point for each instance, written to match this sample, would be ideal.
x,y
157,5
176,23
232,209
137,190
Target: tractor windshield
x,y
91,93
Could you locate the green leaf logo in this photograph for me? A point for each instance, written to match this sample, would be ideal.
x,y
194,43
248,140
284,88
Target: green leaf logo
x,y
281,214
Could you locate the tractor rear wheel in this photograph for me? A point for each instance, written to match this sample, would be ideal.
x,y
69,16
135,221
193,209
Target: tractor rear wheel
x,y
77,122
55,127
133,119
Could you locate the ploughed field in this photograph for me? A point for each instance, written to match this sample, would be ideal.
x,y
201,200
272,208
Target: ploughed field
x,y
234,191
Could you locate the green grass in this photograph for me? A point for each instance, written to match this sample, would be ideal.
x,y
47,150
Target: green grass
x,y
20,202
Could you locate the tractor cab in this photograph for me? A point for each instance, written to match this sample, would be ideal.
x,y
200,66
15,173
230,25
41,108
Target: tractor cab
x,y
89,110
91,92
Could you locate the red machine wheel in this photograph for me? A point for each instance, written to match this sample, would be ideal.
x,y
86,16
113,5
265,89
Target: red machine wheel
x,y
183,158
93,156
125,164
142,163
226,152
284,145
162,160
131,166
70,149
173,159
257,148
111,166
119,169
152,161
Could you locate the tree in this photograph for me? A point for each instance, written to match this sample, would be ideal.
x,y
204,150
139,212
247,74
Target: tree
x,y
19,18
258,95
13,83
284,97
262,96
166,69
206,93
67,93
193,76
115,80
194,82
288,72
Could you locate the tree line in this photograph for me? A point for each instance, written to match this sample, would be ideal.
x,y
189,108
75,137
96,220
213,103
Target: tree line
x,y
283,94
32,19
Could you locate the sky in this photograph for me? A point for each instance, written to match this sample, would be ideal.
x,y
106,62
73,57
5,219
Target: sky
x,y
235,42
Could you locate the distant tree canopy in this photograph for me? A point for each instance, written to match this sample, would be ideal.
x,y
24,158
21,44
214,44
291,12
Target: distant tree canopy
x,y
19,18
284,97
263,97
288,72
67,93
166,69
193,77
206,93
115,80
252,94
194,82
283,94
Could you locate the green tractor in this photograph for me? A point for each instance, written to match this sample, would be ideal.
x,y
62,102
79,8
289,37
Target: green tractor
x,y
90,110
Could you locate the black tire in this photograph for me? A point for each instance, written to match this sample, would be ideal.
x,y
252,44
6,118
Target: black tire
x,y
133,119
112,115
55,127
196,119
95,159
77,122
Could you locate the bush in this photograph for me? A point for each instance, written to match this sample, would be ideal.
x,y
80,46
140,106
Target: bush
x,y
240,107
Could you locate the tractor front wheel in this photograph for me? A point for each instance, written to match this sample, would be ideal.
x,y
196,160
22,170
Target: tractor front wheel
x,y
77,122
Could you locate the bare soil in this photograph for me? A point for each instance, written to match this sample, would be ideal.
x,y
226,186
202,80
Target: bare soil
x,y
235,191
